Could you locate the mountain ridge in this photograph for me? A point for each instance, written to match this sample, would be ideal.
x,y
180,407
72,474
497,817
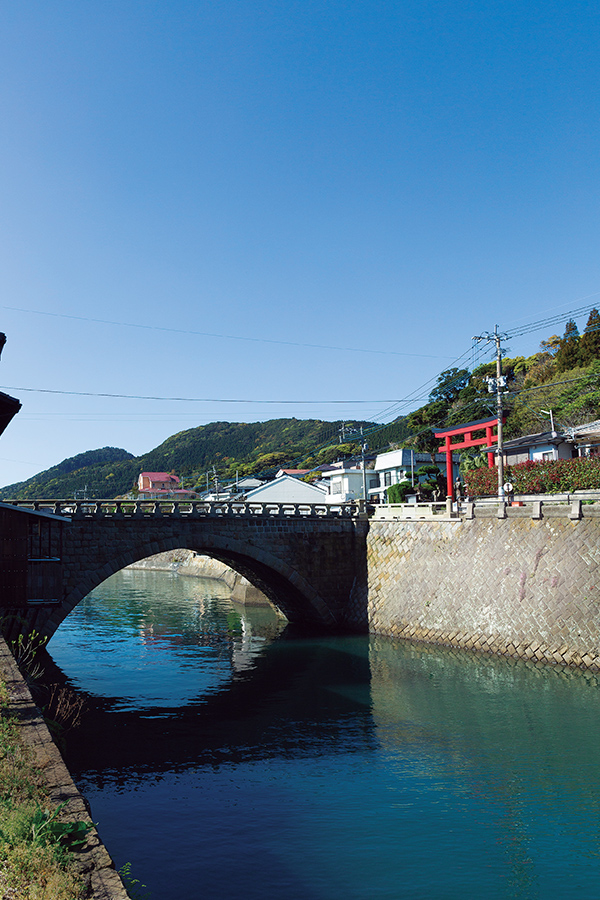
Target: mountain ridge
x,y
225,447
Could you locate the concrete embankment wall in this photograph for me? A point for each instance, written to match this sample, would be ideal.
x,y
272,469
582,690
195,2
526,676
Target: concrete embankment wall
x,y
186,562
516,586
95,864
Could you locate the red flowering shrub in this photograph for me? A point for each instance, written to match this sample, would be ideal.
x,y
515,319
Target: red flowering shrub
x,y
543,477
480,482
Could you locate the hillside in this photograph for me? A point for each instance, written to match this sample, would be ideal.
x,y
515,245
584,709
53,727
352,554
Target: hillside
x,y
94,469
563,376
229,447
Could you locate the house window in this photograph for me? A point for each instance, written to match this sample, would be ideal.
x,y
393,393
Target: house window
x,y
547,455
336,487
387,478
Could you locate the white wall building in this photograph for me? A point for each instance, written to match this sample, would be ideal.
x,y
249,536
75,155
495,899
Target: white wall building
x,y
399,465
287,489
546,445
345,481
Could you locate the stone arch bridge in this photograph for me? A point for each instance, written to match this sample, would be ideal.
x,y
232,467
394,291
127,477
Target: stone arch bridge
x,y
310,560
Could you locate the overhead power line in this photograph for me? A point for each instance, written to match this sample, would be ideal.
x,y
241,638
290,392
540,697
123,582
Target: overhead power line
x,y
228,337
549,322
549,384
183,399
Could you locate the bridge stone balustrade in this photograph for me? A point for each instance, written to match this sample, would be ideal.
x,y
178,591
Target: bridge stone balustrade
x,y
307,558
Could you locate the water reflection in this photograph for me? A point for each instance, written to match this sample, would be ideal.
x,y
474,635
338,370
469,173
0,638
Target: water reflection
x,y
252,761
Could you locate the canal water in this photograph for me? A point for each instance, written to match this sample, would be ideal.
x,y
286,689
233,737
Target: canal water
x,y
225,756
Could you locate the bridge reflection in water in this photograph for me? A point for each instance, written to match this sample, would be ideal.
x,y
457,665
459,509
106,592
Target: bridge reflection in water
x,y
273,765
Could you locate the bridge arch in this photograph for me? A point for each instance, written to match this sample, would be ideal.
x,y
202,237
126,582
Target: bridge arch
x,y
310,561
285,587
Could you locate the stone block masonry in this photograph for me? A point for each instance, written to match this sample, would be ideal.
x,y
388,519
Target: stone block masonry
x,y
520,587
306,565
95,865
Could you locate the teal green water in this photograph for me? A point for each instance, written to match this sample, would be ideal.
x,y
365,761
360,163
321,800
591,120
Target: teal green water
x,y
225,759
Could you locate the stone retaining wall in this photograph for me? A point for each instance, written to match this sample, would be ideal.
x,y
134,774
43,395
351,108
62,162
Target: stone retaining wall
x,y
518,586
96,866
186,562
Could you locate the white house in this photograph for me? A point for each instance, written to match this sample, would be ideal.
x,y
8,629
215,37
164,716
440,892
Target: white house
x,y
234,490
287,489
536,447
345,478
399,465
344,481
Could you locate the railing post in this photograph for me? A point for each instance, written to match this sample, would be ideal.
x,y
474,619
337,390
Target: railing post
x,y
575,511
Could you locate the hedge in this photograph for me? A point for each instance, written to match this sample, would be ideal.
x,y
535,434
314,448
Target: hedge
x,y
543,477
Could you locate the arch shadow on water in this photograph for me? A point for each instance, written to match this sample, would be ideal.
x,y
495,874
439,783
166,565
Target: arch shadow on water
x,y
255,715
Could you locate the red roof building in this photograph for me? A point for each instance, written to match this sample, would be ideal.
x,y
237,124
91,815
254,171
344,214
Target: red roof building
x,y
157,481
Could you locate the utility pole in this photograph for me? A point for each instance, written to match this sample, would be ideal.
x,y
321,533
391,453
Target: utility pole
x,y
364,465
497,384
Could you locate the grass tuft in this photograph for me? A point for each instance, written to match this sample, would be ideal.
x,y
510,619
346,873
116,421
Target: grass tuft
x,y
36,862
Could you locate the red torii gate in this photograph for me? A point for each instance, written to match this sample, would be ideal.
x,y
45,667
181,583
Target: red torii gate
x,y
466,431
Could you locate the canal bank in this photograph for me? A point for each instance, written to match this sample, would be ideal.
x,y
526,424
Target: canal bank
x,y
93,862
522,584
193,565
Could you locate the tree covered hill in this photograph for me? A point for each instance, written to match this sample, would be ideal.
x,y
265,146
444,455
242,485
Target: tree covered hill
x,y
564,376
94,468
229,447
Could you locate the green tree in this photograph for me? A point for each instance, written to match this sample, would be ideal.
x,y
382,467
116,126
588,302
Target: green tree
x,y
334,452
449,385
421,421
551,346
568,355
589,344
396,493
434,484
473,458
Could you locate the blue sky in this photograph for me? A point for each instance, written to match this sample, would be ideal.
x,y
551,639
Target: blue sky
x,y
388,178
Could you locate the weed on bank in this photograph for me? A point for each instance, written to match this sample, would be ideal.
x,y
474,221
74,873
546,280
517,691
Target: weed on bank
x,y
36,862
